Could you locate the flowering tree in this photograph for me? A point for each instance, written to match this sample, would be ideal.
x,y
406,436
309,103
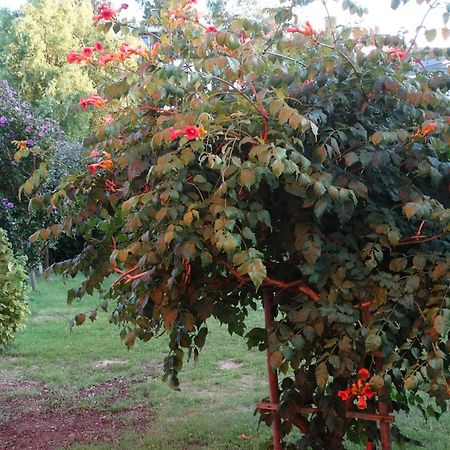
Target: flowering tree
x,y
309,165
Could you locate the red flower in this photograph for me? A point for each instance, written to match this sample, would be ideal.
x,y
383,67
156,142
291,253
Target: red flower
x,y
191,132
369,445
397,53
107,13
94,153
87,52
83,103
74,57
98,47
362,403
175,134
363,373
344,395
211,29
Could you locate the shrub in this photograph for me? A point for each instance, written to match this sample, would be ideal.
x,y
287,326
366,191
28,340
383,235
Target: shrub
x,y
13,289
23,125
272,157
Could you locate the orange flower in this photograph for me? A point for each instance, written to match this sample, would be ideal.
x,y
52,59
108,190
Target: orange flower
x,y
94,99
106,164
360,389
428,128
424,130
306,29
20,144
154,51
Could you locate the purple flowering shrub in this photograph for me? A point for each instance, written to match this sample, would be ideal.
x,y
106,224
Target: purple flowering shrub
x,y
20,122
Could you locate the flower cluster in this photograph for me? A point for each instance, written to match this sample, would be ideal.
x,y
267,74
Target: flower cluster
x,y
177,16
360,389
396,54
106,163
94,100
18,121
7,204
84,55
306,29
191,132
125,51
107,13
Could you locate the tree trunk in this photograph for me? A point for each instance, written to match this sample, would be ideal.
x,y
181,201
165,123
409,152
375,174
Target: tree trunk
x,y
33,279
46,259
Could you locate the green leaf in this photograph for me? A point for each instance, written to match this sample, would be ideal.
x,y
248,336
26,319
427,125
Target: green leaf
x,y
398,264
321,375
276,359
430,35
373,343
247,178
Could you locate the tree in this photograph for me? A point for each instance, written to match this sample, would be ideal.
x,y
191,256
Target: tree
x,y
34,44
308,166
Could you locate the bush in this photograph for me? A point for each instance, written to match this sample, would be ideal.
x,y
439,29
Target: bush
x,y
23,124
312,164
13,289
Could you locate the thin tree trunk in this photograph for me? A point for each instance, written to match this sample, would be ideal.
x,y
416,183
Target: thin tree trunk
x,y
46,259
33,279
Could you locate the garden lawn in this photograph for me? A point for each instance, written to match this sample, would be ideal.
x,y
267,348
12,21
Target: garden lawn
x,y
83,389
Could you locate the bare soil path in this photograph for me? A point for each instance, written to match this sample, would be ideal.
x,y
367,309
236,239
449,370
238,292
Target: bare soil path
x,y
35,417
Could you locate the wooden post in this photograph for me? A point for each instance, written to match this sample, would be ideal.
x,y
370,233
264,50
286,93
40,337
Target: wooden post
x,y
272,374
32,275
383,409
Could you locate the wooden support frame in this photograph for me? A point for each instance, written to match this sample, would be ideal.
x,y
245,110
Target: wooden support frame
x,y
383,417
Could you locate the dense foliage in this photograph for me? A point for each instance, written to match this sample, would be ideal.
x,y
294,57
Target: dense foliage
x,y
309,164
13,289
23,127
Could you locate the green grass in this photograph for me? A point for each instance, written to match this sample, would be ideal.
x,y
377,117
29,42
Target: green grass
x,y
214,407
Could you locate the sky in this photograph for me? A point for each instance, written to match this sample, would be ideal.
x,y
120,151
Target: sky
x,y
405,18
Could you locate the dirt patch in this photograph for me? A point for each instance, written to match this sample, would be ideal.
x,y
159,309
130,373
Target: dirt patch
x,y
108,362
35,417
229,364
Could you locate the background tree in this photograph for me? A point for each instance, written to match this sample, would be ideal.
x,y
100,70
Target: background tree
x,y
308,166
34,42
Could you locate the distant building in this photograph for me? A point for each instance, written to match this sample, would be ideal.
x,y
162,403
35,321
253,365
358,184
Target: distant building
x,y
435,65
